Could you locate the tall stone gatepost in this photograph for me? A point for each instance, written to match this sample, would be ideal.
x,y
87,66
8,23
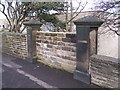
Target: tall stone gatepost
x,y
86,30
32,26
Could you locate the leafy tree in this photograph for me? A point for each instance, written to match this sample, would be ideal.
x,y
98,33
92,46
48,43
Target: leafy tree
x,y
43,9
17,12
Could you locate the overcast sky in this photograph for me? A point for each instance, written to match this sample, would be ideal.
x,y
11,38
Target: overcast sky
x,y
90,4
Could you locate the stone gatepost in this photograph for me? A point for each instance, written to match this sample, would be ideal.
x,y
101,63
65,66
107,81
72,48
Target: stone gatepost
x,y
86,30
32,26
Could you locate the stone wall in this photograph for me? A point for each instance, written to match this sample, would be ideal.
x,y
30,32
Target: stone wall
x,y
57,49
14,44
104,71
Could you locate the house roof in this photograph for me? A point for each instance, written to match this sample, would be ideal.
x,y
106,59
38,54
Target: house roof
x,y
62,17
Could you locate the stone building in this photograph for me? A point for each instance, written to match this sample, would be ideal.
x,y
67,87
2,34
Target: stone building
x,y
3,24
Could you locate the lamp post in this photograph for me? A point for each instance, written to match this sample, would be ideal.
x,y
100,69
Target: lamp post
x,y
32,26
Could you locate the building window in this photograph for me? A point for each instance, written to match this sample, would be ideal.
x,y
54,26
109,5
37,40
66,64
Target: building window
x,y
3,26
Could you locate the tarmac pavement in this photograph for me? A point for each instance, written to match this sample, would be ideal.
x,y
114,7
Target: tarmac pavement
x,y
18,73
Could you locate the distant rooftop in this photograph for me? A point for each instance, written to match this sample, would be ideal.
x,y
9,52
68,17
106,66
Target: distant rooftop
x,y
62,17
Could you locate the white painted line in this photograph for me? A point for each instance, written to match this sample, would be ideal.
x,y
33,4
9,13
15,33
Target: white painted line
x,y
38,81
31,77
7,65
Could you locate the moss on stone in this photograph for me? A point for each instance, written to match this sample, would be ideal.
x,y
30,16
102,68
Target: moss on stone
x,y
61,35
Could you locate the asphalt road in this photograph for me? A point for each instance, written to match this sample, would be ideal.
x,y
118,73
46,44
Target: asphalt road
x,y
18,73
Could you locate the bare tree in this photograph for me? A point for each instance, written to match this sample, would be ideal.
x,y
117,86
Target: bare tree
x,y
74,12
109,11
15,12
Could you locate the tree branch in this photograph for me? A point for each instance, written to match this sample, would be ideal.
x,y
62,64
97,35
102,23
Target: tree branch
x,y
3,11
83,6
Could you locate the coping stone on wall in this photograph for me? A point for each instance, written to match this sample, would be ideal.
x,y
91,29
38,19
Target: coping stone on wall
x,y
104,58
